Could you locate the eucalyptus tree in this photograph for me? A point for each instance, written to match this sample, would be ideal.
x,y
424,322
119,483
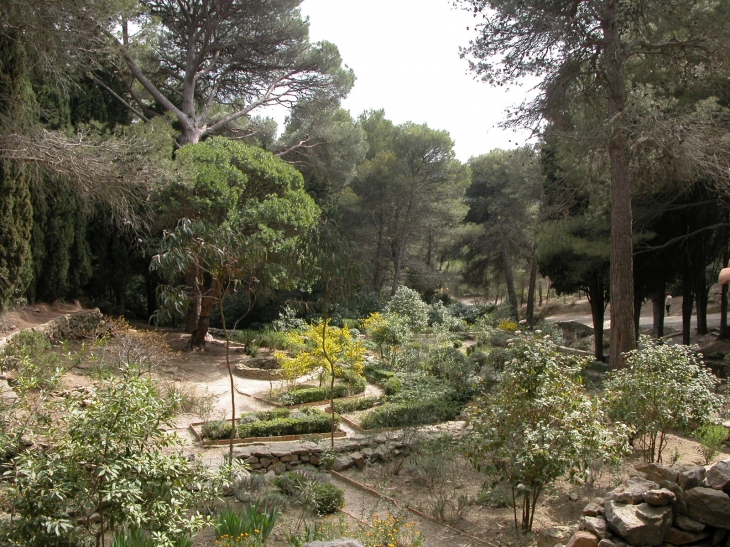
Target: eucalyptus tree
x,y
211,64
591,44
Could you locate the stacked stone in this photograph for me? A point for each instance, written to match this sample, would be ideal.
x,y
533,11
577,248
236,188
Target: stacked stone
x,y
689,505
347,453
83,324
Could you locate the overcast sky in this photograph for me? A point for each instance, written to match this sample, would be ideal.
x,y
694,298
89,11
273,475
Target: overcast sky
x,y
405,54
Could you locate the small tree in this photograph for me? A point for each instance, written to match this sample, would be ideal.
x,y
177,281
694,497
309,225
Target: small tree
x,y
408,304
538,425
664,387
110,467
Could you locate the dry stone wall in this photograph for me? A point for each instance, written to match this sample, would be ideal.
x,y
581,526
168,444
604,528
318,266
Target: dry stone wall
x,y
665,506
349,452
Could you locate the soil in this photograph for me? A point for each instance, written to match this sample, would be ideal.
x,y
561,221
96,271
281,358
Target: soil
x,y
204,374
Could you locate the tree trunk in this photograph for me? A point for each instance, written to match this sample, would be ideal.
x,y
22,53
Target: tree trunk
x,y
508,277
724,334
191,319
623,337
687,298
209,300
658,302
151,282
597,299
530,315
701,297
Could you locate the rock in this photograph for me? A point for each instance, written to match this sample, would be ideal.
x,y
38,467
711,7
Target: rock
x,y
342,462
573,496
594,525
269,476
594,508
641,524
554,536
632,491
691,525
278,468
659,497
583,539
358,459
708,505
676,536
680,506
314,460
341,542
656,472
690,476
266,462
6,393
718,476
607,543
719,535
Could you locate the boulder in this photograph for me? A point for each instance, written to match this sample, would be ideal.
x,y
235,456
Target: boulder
x,y
691,525
632,491
659,497
554,536
718,476
341,542
676,536
708,505
657,472
358,459
594,508
641,524
342,462
680,506
583,539
594,525
690,476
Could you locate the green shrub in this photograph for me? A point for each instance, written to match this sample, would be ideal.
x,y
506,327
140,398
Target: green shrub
x,y
711,437
498,357
392,385
664,387
411,413
253,522
216,430
377,374
301,395
327,498
221,429
27,355
353,405
407,304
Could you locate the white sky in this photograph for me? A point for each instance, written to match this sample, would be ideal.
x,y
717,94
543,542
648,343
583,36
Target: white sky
x,y
405,54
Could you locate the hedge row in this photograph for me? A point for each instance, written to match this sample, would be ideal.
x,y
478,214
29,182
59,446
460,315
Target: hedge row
x,y
300,395
411,413
352,405
376,374
307,421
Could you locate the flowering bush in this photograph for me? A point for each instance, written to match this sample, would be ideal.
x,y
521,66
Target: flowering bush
x,y
663,387
389,531
539,424
407,303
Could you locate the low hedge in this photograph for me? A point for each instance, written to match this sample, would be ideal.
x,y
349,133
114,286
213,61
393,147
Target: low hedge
x,y
305,394
411,413
377,374
352,405
278,422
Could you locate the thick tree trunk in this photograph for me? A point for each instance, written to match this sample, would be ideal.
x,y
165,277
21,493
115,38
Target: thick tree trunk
x,y
191,319
508,277
623,337
701,297
724,334
530,315
209,300
658,303
597,299
687,299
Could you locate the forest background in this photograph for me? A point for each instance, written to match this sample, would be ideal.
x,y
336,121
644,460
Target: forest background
x,y
132,128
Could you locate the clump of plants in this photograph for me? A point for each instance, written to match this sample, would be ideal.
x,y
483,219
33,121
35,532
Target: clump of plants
x,y
243,528
28,357
353,405
312,489
711,436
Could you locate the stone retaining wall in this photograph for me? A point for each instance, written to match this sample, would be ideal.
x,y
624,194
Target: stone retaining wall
x,y
687,505
347,453
82,324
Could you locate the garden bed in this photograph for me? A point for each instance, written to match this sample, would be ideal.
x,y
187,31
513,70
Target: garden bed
x,y
267,426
